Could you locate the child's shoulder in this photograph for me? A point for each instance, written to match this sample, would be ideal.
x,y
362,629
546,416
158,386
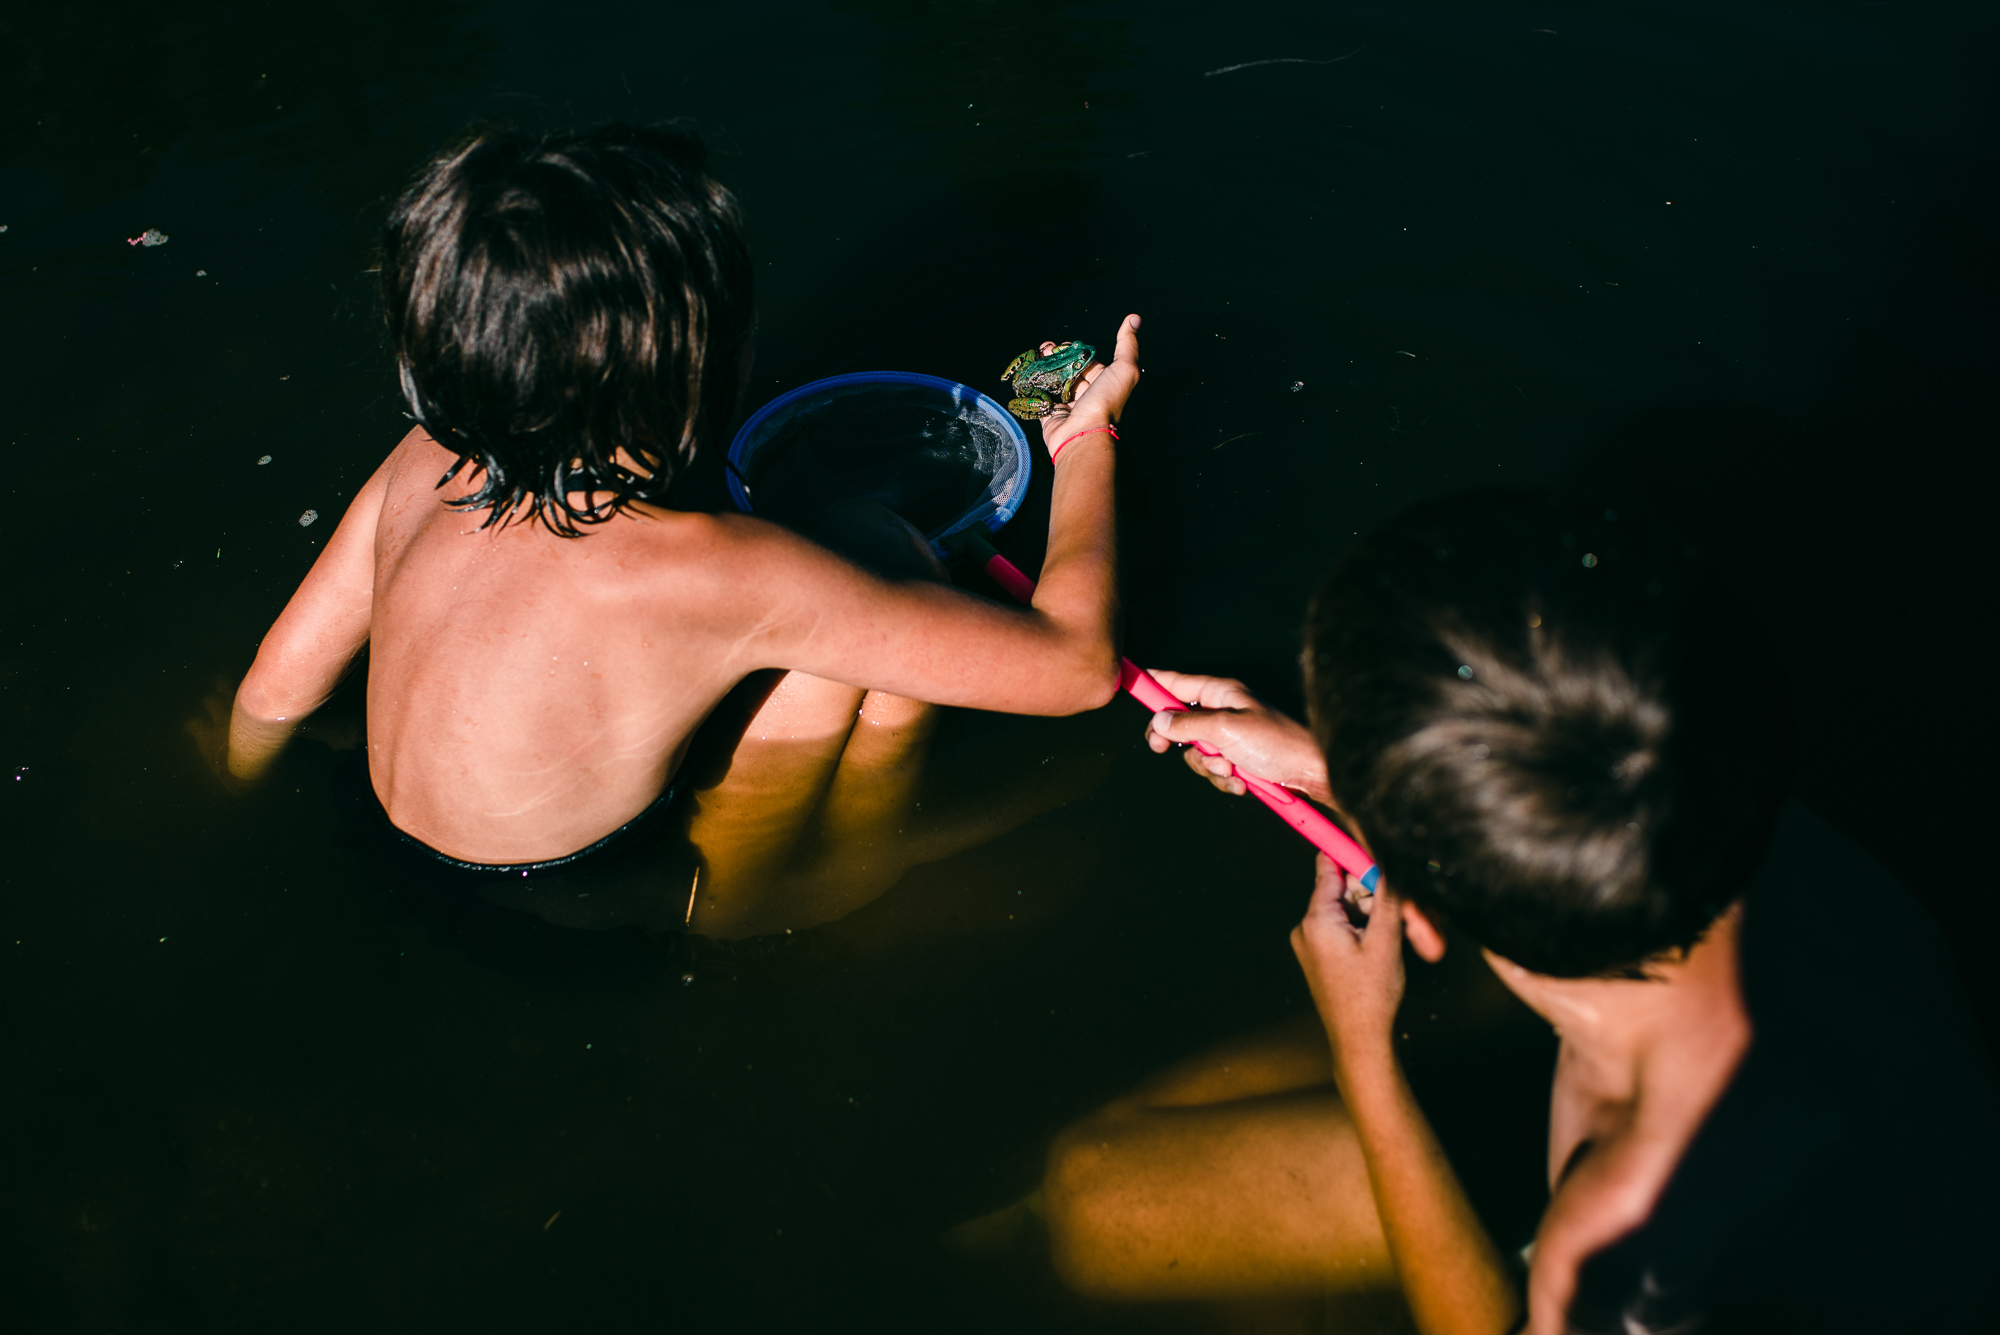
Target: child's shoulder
x,y
668,557
727,547
420,469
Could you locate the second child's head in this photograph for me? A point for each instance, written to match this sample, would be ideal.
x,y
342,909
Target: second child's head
x,y
570,314
1561,732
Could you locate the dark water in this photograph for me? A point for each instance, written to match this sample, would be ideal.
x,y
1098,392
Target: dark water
x,y
909,448
1736,259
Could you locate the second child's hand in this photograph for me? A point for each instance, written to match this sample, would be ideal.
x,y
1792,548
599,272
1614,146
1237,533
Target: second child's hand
x,y
1250,735
1350,944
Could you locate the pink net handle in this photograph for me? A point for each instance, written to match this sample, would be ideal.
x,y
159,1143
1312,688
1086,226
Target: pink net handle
x,y
1288,806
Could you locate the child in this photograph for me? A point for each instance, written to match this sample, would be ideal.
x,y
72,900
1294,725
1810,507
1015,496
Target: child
x,y
572,325
1563,738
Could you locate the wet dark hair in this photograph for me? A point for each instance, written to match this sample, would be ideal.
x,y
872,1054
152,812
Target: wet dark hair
x,y
553,301
1562,732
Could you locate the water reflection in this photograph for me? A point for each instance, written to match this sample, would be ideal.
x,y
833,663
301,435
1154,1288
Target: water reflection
x,y
803,802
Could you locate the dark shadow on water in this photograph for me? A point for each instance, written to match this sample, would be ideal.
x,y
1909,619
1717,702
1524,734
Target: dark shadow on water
x,y
339,92
1863,528
1004,94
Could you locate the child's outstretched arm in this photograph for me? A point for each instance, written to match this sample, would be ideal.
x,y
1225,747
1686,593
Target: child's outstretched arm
x,y
928,642
309,647
1079,580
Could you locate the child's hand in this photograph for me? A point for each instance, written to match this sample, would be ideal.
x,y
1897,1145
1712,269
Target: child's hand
x,y
210,730
1250,734
1350,945
236,746
1101,399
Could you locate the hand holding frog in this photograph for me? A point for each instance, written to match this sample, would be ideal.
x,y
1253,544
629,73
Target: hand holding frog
x,y
1068,391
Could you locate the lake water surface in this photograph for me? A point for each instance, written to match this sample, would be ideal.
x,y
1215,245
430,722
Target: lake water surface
x,y
1736,259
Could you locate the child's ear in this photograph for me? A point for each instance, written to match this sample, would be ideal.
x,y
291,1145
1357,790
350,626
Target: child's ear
x,y
1422,934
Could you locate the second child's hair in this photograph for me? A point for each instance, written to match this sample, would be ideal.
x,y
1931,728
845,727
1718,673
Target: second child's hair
x,y
569,314
1563,732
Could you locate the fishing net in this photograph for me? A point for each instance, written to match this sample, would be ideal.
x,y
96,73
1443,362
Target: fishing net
x,y
940,454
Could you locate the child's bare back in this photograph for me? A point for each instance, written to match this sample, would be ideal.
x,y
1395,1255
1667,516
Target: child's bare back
x,y
530,690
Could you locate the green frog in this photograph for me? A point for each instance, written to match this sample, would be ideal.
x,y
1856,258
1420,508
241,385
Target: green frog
x,y
1041,383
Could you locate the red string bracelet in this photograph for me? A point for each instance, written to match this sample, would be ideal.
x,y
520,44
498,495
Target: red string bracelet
x,y
1057,448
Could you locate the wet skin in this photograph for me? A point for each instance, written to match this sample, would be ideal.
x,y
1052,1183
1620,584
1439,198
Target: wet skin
x,y
1334,1181
527,693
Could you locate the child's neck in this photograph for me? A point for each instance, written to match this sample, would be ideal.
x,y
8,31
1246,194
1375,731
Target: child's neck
x,y
1673,1038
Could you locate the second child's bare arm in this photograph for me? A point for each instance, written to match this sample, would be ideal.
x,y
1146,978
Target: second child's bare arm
x,y
1451,1274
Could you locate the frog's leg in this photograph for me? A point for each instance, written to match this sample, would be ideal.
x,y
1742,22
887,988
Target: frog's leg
x,y
1029,410
1017,364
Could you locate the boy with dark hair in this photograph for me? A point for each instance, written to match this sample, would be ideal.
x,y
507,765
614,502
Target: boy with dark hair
x,y
1564,739
571,318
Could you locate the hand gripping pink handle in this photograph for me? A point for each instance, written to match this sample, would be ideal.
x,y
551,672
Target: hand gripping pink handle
x,y
1288,806
1140,684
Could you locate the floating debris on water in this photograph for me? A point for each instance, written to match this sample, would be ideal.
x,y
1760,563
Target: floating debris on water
x,y
686,979
1282,60
152,236
201,273
305,520
3,227
1298,385
261,462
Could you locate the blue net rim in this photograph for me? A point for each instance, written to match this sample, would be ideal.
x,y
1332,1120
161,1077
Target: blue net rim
x,y
994,512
